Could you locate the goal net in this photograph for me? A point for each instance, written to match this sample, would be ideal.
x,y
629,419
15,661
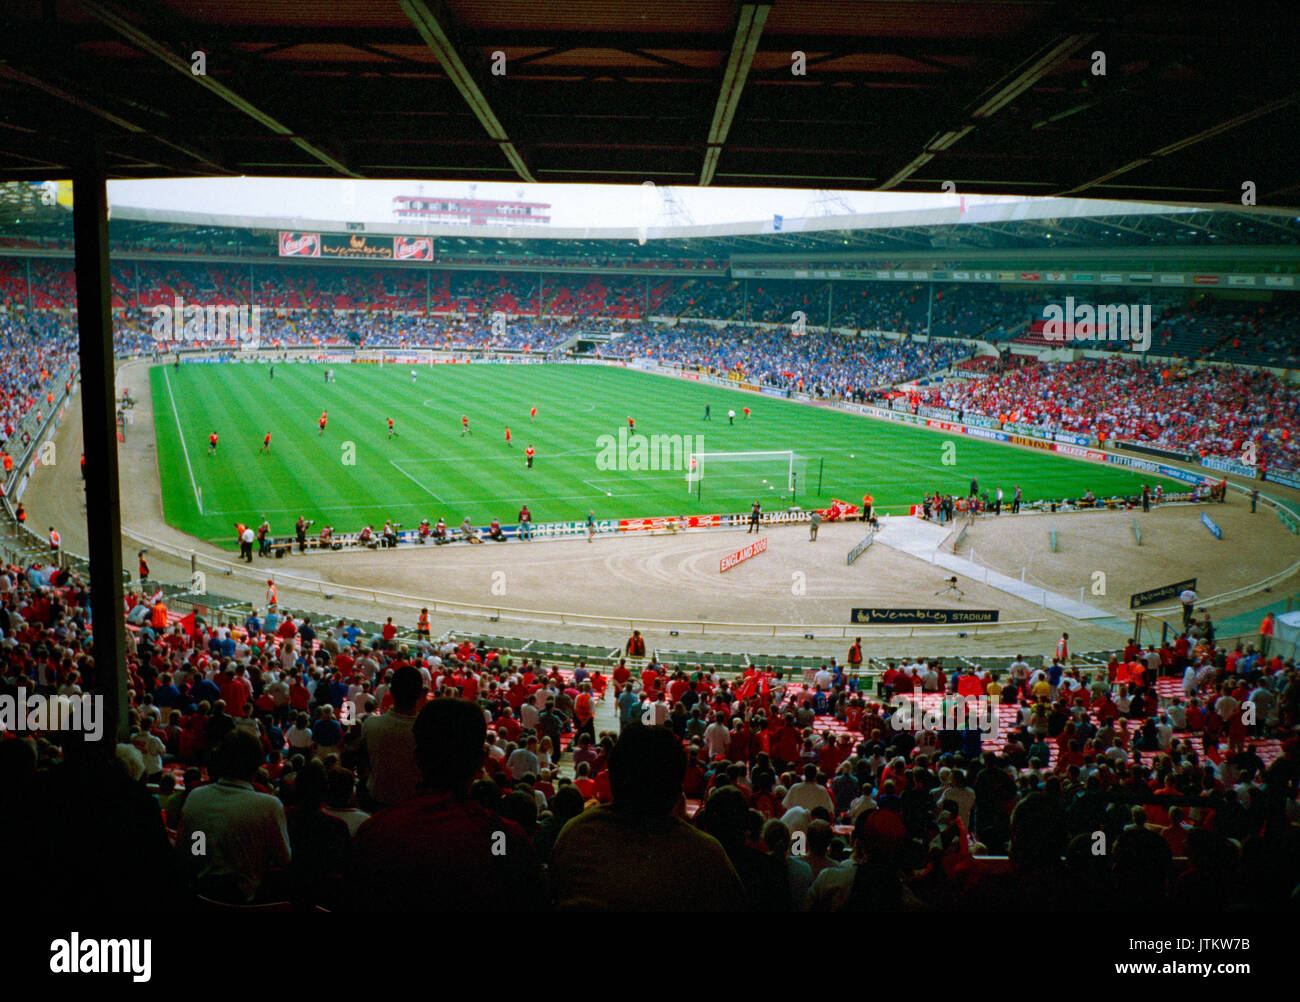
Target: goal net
x,y
747,471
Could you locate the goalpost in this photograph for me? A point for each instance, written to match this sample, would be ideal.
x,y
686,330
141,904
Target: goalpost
x,y
783,470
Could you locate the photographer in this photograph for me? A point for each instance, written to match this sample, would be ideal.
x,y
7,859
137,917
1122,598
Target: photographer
x,y
327,538
496,533
440,532
390,535
300,530
245,536
367,538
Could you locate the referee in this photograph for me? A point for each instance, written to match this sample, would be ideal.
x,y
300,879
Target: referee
x,y
754,512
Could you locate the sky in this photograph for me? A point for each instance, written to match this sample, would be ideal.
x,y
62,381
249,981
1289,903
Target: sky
x,y
573,205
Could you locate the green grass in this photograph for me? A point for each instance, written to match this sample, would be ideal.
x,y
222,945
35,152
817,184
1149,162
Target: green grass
x,y
428,470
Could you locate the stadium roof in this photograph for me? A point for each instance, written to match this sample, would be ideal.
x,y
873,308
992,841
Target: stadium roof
x,y
1001,97
1037,224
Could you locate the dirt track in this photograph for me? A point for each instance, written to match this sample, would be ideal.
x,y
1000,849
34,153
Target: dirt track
x,y
1175,546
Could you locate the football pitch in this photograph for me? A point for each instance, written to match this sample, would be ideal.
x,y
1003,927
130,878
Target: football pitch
x,y
355,474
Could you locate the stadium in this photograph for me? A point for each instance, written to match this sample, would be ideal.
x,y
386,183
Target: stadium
x,y
776,497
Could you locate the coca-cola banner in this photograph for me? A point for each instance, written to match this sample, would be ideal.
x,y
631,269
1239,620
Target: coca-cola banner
x,y
413,248
356,245
299,244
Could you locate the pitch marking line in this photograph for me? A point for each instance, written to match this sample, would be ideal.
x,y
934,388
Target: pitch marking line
x,y
425,460
586,408
181,432
397,466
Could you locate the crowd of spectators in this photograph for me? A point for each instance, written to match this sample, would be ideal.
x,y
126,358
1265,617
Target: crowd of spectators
x,y
1197,326
1212,411
33,354
328,768
358,288
818,363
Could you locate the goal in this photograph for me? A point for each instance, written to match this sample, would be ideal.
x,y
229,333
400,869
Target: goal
x,y
746,471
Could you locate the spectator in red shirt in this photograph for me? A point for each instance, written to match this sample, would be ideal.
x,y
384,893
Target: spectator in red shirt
x,y
621,675
584,711
507,724
439,850
583,781
299,695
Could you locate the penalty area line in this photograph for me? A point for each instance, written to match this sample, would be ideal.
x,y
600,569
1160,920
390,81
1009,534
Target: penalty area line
x,y
198,499
437,497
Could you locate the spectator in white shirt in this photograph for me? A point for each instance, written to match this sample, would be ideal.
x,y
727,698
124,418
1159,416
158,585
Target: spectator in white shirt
x,y
1265,703
717,737
659,712
1164,732
151,750
245,832
1225,706
809,793
961,794
797,819
523,761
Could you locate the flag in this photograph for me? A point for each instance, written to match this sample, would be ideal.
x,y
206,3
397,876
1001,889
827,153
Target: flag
x,y
753,683
189,624
777,221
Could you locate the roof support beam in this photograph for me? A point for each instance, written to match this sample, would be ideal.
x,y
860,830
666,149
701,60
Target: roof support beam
x,y
749,28
143,41
436,37
996,98
16,75
1182,144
